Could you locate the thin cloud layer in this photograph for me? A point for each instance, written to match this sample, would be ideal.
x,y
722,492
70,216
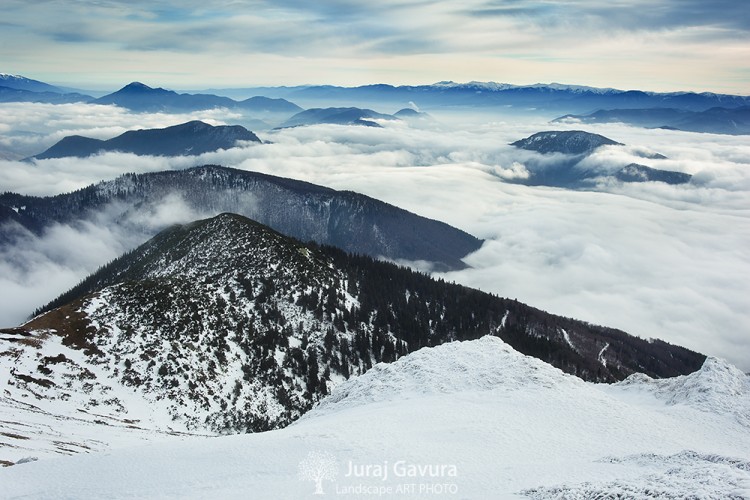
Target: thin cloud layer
x,y
663,45
652,259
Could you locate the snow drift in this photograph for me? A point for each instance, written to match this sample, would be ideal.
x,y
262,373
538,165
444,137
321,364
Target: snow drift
x,y
504,423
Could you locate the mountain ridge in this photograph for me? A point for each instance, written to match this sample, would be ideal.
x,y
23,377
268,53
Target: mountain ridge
x,y
137,96
526,98
22,83
229,326
352,221
716,120
577,99
189,138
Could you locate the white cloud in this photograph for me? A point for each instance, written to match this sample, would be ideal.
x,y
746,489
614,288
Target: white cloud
x,y
30,128
662,45
36,269
654,260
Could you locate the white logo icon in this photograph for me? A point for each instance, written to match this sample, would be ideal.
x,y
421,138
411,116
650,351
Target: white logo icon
x,y
318,466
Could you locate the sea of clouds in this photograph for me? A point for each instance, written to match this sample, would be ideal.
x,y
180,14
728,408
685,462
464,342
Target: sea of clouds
x,y
655,260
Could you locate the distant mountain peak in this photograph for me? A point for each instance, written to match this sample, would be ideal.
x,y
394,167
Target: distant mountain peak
x,y
138,96
142,87
407,112
336,116
22,83
571,142
191,138
136,85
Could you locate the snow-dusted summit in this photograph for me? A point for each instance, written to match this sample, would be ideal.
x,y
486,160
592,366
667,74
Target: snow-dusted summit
x,y
224,325
569,142
718,387
486,364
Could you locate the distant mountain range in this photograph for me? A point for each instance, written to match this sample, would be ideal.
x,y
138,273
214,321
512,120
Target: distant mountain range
x,y
225,325
22,83
345,219
17,95
717,120
191,138
15,88
576,145
139,97
551,97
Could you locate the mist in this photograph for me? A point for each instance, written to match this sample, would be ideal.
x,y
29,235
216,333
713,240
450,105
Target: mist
x,y
652,259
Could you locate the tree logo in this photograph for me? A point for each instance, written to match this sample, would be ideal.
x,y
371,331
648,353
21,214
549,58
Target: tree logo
x,y
317,466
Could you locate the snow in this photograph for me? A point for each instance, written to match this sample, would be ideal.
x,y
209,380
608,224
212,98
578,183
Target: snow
x,y
496,87
718,388
78,414
601,357
504,320
566,336
504,424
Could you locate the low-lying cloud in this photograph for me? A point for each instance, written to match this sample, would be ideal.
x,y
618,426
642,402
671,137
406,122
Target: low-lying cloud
x,y
35,269
30,128
652,259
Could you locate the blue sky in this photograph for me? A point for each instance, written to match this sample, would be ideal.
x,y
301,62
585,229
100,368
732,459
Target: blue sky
x,y
655,45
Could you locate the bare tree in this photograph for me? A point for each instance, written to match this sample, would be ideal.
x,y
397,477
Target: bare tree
x,y
317,466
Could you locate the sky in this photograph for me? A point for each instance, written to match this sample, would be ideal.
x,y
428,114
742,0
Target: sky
x,y
659,45
654,260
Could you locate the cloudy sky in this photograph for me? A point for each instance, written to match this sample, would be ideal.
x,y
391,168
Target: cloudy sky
x,y
660,45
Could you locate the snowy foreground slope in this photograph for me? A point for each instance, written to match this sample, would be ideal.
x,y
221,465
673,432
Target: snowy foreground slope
x,y
463,420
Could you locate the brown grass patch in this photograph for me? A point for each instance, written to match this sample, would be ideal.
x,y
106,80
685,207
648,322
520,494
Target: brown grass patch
x,y
71,324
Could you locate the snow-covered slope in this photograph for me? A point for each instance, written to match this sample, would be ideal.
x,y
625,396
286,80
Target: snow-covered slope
x,y
23,83
718,387
80,409
225,325
462,421
487,364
